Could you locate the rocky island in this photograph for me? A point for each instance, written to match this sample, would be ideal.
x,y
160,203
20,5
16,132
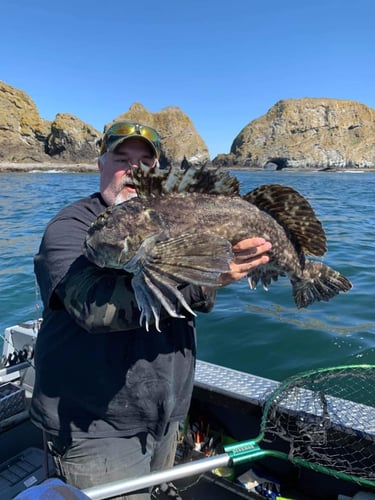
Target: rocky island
x,y
307,133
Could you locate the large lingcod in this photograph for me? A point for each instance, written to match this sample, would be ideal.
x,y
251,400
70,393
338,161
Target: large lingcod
x,y
181,227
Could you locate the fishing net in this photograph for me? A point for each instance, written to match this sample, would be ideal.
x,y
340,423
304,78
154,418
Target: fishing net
x,y
323,420
327,418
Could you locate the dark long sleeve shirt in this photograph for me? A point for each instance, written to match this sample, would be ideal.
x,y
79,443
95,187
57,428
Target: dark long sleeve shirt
x,y
98,372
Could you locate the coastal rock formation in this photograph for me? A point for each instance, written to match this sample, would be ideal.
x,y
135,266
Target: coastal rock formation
x,y
26,137
71,139
22,131
307,133
295,133
179,138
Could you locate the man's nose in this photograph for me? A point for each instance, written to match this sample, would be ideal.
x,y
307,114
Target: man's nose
x,y
134,162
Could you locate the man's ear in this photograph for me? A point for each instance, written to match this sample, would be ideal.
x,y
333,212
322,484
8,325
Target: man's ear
x,y
100,163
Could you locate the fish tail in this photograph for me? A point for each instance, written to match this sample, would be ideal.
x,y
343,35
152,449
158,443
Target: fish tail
x,y
318,283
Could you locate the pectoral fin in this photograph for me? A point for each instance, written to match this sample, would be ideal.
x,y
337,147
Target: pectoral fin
x,y
162,264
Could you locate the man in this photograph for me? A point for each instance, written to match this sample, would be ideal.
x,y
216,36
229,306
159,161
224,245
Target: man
x,y
108,394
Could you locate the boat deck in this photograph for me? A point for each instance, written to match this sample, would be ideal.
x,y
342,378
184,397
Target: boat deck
x,y
226,406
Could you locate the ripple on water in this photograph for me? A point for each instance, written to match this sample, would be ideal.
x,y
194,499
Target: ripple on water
x,y
256,331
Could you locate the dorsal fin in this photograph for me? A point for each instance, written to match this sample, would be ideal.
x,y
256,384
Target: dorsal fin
x,y
151,182
294,213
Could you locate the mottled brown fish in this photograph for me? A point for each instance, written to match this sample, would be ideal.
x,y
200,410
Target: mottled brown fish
x,y
181,228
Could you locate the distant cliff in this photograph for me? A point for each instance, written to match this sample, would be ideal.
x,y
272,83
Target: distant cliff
x,y
26,137
179,137
295,133
307,133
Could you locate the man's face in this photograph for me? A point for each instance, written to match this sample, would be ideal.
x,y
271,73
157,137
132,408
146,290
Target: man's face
x,y
116,184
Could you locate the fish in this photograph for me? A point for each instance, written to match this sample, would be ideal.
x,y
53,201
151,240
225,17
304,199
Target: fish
x,y
181,227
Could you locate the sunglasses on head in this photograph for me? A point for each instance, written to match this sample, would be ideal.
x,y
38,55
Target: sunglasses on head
x,y
129,129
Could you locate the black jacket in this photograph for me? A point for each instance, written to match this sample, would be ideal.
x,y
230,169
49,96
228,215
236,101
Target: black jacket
x,y
98,373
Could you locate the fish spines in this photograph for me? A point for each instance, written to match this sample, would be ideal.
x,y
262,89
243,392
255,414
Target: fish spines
x,y
319,282
263,274
153,182
163,263
294,213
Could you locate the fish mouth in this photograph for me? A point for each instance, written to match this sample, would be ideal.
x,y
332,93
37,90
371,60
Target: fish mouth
x,y
92,255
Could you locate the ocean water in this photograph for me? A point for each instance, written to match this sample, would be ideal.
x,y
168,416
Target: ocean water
x,y
255,331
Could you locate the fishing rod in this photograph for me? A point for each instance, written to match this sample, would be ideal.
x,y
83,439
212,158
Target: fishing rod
x,y
26,353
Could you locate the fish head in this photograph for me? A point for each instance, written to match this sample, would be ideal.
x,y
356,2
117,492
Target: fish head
x,y
116,234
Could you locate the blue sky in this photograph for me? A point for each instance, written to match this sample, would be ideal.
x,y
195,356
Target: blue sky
x,y
223,63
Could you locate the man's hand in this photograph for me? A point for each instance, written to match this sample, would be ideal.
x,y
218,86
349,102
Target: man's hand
x,y
248,254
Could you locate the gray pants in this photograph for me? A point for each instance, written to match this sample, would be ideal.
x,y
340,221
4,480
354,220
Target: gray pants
x,y
91,462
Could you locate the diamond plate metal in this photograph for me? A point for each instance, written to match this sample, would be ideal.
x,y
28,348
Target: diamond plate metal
x,y
250,388
349,416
